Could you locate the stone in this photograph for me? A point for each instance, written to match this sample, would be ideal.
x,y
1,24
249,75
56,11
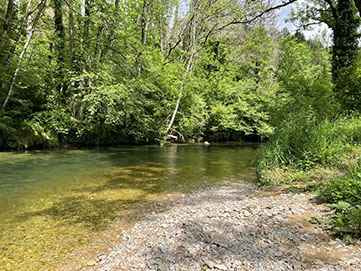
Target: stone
x,y
246,213
220,267
228,227
163,267
210,264
91,263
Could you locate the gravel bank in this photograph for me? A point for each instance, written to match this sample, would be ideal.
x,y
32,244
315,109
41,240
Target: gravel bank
x,y
230,227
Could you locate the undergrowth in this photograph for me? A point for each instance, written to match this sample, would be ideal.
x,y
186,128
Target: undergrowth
x,y
326,153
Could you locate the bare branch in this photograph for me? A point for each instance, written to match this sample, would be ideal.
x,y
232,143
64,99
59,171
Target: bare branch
x,y
259,15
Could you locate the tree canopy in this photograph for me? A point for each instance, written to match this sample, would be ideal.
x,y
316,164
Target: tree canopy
x,y
144,71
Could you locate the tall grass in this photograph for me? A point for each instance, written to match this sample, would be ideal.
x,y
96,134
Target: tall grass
x,y
304,142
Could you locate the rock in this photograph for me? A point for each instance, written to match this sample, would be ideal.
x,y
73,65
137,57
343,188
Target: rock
x,y
163,267
91,263
206,143
220,267
246,213
225,228
210,264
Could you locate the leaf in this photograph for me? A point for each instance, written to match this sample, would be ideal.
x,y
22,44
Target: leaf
x,y
315,220
342,205
345,228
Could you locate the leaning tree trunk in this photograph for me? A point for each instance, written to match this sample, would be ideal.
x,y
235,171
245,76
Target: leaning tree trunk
x,y
187,71
185,75
21,56
20,31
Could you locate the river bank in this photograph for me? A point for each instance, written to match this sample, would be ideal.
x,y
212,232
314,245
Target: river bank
x,y
227,227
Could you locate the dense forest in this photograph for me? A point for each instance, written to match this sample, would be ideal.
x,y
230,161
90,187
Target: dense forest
x,y
100,72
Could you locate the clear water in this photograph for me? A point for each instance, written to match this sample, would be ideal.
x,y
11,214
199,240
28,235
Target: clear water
x,y
67,194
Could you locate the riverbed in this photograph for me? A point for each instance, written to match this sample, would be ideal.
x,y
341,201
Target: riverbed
x,y
54,201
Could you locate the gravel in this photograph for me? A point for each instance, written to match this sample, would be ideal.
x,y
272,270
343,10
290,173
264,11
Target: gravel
x,y
231,227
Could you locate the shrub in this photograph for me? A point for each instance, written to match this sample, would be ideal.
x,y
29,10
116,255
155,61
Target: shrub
x,y
304,142
347,190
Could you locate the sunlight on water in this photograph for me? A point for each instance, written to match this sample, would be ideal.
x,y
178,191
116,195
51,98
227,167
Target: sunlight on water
x,y
52,201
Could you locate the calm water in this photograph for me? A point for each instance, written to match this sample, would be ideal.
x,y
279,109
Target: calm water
x,y
47,195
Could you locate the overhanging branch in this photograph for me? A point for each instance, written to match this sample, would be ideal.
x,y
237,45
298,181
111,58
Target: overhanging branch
x,y
259,15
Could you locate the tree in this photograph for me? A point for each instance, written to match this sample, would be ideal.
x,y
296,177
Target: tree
x,y
343,18
21,56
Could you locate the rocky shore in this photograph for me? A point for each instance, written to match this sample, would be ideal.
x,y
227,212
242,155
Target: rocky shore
x,y
229,227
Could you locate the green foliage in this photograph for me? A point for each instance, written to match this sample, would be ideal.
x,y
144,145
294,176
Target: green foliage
x,y
302,142
344,194
18,134
344,189
110,72
347,87
305,80
346,220
242,106
345,38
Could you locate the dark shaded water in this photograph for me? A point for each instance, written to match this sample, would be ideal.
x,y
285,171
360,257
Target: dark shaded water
x,y
47,194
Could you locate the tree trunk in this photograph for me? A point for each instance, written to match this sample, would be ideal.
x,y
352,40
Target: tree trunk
x,y
21,56
143,35
60,43
109,37
174,28
71,38
20,31
6,25
185,75
97,45
85,39
345,37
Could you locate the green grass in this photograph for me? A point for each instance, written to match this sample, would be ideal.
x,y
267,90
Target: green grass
x,y
303,144
326,153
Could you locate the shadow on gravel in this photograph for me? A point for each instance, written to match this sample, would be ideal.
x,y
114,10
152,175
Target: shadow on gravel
x,y
249,248
253,245
268,243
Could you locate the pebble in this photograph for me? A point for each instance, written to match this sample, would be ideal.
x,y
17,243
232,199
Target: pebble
x,y
91,263
230,227
220,267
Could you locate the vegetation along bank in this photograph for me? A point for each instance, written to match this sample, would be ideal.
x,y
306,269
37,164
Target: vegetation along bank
x,y
139,72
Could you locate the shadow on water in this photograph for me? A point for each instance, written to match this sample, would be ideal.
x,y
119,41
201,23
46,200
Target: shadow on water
x,y
173,170
83,191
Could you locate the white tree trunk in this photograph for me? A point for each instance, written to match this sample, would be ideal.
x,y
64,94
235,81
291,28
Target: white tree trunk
x,y
21,56
185,75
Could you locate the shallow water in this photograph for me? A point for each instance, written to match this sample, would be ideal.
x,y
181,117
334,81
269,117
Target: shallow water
x,y
51,201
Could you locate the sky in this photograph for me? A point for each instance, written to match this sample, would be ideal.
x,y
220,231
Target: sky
x,y
315,32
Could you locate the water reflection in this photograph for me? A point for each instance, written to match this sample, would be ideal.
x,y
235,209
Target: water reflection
x,y
66,195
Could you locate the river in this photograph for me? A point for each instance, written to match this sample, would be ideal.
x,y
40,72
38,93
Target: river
x,y
52,201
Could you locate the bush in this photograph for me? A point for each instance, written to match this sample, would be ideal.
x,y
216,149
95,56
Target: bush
x,y
346,190
347,220
304,142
